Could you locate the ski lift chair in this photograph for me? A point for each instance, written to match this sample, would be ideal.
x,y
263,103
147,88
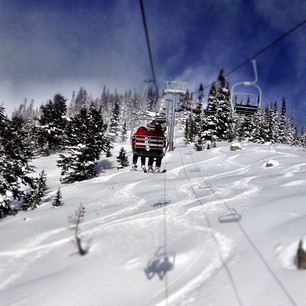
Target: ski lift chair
x,y
149,144
246,109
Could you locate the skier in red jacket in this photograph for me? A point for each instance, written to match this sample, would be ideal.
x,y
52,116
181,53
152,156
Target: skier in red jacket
x,y
138,146
149,142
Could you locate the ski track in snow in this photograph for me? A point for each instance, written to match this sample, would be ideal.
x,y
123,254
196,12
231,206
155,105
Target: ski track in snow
x,y
192,207
18,261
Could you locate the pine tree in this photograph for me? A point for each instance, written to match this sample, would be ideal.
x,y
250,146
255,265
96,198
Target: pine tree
x,y
52,124
33,198
57,201
291,133
274,122
122,158
84,143
198,120
266,132
15,156
5,201
212,102
210,121
114,123
224,114
303,138
282,123
246,128
124,132
80,102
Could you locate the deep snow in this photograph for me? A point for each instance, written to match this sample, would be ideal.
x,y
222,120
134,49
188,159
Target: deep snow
x,y
134,218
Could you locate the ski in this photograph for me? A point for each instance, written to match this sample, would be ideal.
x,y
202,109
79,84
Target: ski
x,y
148,171
155,172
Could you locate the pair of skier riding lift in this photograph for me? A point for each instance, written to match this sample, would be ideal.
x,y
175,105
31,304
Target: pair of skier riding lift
x,y
149,142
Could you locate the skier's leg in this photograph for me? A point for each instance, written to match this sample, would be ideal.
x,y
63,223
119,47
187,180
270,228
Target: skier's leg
x,y
143,163
135,158
158,164
150,164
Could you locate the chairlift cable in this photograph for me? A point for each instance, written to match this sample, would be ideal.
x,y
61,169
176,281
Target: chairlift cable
x,y
148,42
261,51
267,47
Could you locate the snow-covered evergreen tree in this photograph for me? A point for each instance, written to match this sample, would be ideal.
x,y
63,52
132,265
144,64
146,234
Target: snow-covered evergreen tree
x,y
33,198
15,156
52,124
303,138
274,122
198,120
85,141
282,123
80,102
4,183
210,121
115,121
122,158
246,127
124,132
266,126
291,133
224,114
58,201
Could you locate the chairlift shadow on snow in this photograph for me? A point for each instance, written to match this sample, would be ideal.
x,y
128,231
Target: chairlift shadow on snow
x,y
160,263
233,216
205,186
162,202
195,169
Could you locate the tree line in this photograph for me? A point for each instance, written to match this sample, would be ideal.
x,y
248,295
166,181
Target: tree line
x,y
86,129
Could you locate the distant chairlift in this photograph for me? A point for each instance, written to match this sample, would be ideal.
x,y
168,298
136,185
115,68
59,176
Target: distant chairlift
x,y
248,108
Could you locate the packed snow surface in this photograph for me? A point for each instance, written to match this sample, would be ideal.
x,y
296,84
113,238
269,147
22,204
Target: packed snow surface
x,y
157,239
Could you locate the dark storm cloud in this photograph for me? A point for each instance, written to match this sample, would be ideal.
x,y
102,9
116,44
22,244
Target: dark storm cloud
x,y
58,46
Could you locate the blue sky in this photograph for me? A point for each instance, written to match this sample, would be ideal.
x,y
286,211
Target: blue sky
x,y
60,45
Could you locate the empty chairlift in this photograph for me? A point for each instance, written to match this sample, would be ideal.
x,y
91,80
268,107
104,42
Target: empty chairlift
x,y
253,100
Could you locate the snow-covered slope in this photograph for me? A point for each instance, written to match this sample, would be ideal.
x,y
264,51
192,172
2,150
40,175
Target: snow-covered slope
x,y
133,219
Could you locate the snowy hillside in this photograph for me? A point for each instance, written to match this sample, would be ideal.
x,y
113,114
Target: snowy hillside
x,y
134,220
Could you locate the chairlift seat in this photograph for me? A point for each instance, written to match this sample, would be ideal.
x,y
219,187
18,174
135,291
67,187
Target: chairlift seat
x,y
149,146
246,109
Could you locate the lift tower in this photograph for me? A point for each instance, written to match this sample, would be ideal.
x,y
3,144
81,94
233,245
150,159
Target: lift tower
x,y
174,89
